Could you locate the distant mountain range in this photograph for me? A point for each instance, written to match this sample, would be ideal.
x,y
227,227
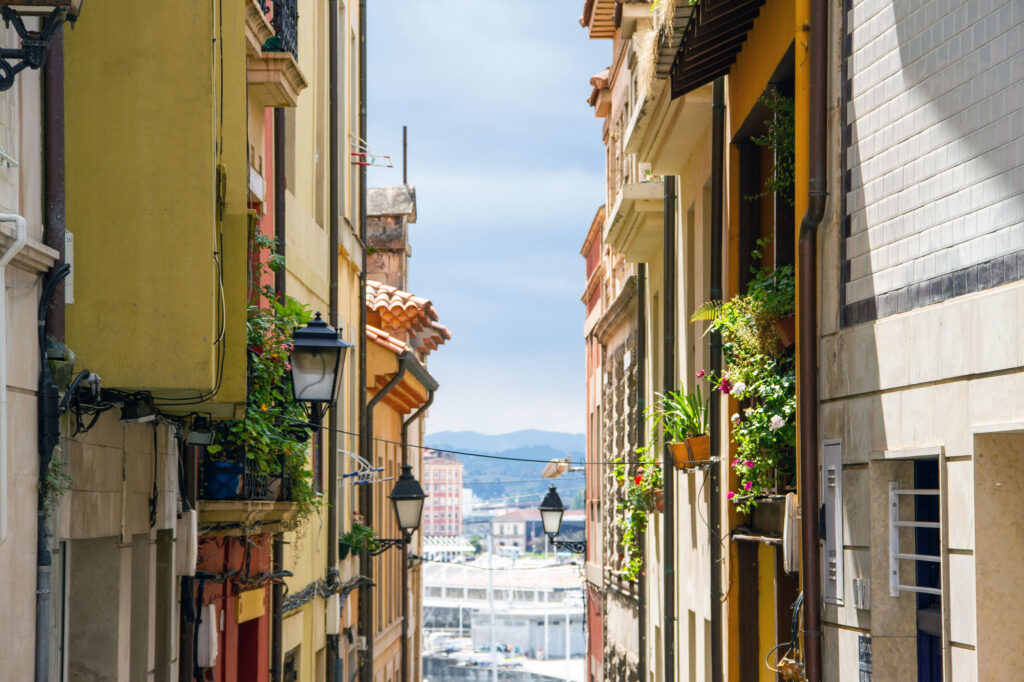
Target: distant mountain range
x,y
570,443
494,479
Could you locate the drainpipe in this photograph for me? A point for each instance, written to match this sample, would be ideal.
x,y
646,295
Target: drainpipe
x,y
715,476
668,384
807,342
332,433
365,442
641,380
279,189
366,624
280,277
20,238
51,317
48,410
405,549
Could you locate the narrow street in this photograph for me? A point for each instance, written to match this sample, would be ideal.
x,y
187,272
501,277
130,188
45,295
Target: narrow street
x,y
526,341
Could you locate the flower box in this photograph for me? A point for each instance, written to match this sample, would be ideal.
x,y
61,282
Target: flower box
x,y
769,516
691,451
222,480
785,330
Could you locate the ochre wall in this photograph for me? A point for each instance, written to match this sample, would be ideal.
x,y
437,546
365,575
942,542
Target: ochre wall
x,y
143,137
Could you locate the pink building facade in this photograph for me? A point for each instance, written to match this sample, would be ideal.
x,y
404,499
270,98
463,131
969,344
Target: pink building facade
x,y
442,481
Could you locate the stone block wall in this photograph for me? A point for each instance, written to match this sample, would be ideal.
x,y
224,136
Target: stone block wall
x,y
933,179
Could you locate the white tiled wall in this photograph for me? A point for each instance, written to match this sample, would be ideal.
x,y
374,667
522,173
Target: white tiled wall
x,y
936,159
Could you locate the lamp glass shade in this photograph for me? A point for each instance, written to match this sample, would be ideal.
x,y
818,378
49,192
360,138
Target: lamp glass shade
x,y
407,498
551,510
318,357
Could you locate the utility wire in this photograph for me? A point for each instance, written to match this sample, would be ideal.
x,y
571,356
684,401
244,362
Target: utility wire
x,y
428,447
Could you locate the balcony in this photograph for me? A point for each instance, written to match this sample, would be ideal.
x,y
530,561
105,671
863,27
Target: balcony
x,y
271,41
633,225
236,500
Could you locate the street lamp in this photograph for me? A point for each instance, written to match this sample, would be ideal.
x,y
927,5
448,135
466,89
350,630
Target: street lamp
x,y
551,511
318,359
407,497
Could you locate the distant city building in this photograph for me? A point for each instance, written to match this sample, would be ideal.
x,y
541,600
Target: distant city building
x,y
442,481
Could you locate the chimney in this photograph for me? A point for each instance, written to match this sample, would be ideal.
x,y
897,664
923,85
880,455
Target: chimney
x,y
389,210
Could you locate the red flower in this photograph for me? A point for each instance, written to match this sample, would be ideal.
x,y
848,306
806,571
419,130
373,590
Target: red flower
x,y
638,479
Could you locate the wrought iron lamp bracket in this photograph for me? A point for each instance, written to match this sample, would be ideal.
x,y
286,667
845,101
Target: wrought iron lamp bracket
x,y
32,53
574,546
384,544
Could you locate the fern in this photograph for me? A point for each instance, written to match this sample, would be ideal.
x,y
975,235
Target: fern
x,y
707,312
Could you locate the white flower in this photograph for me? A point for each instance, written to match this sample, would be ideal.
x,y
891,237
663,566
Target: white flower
x,y
777,422
738,388
736,418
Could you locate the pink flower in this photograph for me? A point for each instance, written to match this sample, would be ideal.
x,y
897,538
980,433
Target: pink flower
x,y
736,461
729,495
748,485
701,374
725,387
749,463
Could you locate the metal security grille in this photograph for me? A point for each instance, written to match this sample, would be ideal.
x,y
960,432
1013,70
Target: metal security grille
x,y
896,494
285,21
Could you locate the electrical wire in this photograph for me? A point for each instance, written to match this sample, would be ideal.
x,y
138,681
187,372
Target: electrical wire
x,y
427,447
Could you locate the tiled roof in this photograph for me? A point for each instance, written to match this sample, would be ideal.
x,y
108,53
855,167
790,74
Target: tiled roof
x,y
382,338
600,82
406,315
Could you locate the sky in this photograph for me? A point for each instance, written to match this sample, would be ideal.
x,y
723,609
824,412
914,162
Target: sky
x,y
508,164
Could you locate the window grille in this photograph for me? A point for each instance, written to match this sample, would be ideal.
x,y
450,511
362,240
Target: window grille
x,y
895,554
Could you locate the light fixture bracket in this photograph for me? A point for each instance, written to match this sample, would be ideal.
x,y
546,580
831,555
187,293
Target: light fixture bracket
x,y
34,44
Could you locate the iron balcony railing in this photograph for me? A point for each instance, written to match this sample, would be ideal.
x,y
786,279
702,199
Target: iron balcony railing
x,y
285,20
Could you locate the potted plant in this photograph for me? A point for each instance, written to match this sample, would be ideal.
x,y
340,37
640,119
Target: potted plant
x,y
273,436
356,539
680,420
761,377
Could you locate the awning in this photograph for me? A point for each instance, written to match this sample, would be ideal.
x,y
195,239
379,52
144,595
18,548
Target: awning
x,y
711,42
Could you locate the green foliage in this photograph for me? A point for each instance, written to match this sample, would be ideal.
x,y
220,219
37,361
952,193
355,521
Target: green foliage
x,y
56,482
762,378
478,544
676,416
360,537
272,434
638,502
780,138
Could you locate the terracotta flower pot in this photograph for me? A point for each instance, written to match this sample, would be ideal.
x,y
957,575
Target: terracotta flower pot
x,y
659,499
692,451
785,329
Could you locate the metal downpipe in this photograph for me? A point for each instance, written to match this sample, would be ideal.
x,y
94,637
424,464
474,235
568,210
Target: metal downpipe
x,y
51,317
405,549
366,502
807,342
715,472
332,431
668,384
641,441
365,449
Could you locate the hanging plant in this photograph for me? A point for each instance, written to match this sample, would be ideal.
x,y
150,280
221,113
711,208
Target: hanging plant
x,y
780,137
640,499
762,377
273,436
